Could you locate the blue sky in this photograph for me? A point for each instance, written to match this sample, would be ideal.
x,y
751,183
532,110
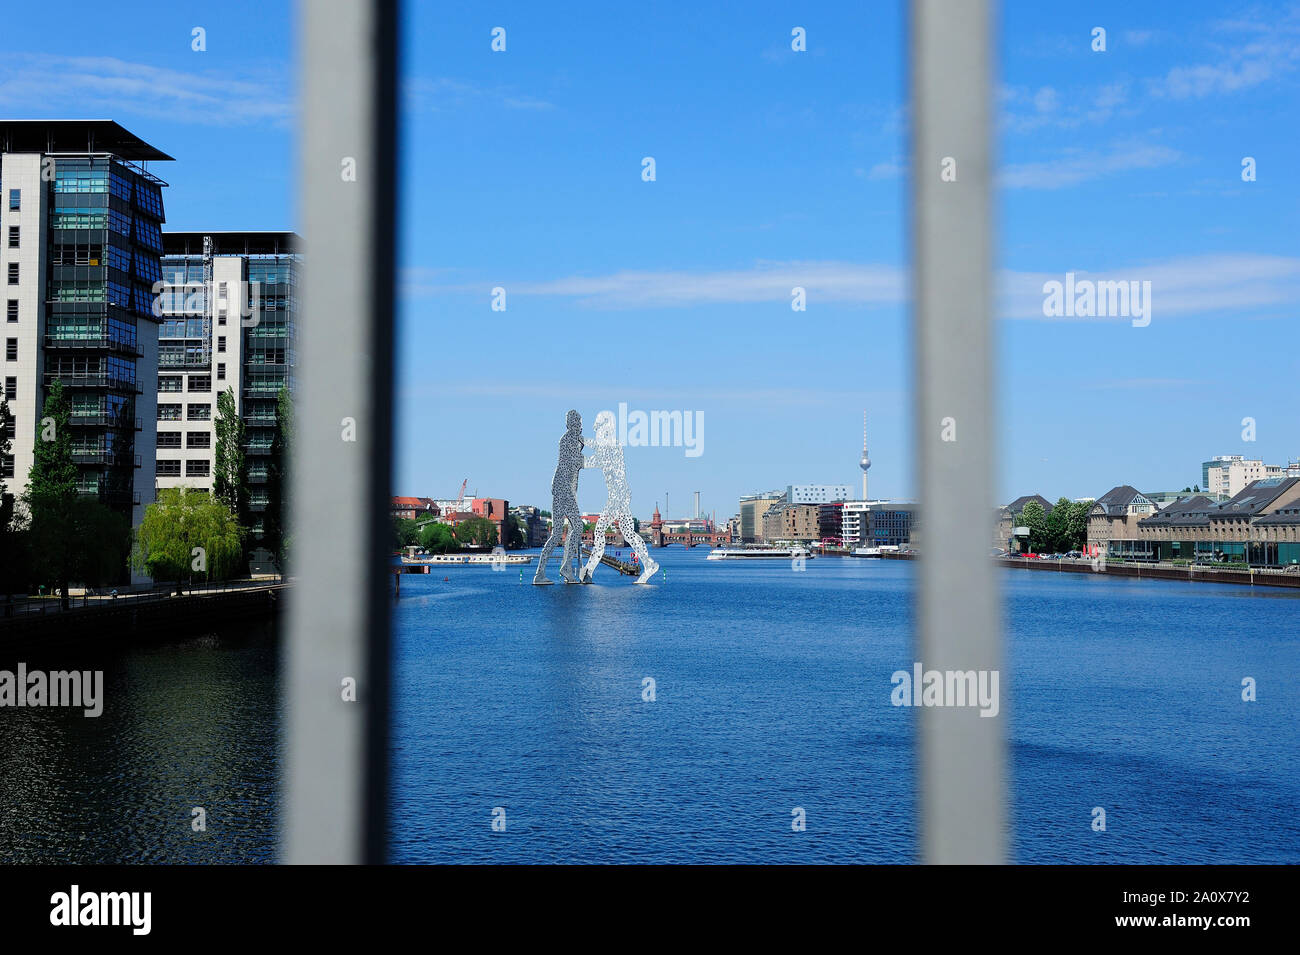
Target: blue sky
x,y
522,170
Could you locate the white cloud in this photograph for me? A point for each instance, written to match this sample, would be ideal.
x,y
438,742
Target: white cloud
x,y
1231,283
1202,284
1077,168
445,93
79,85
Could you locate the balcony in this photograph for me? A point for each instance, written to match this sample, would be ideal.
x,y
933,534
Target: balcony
x,y
183,361
94,343
102,457
93,380
112,422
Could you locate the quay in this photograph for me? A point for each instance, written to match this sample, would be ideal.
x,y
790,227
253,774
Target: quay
x,y
150,616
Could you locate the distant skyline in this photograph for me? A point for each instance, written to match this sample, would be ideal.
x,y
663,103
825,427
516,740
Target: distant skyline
x,y
774,169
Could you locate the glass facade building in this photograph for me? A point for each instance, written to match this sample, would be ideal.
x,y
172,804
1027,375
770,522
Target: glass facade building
x,y
82,216
229,318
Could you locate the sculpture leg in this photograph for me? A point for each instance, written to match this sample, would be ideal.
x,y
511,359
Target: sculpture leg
x,y
597,544
648,565
572,543
557,528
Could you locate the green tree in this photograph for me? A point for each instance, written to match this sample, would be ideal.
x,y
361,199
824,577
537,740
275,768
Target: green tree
x,y
406,532
1077,525
188,534
275,532
13,536
51,495
438,539
1034,518
229,480
476,530
516,532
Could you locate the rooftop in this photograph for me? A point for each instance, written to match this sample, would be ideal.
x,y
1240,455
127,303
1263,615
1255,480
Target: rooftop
x,y
74,136
240,242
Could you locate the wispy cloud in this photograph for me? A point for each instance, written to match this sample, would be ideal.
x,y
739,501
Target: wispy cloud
x,y
766,282
882,170
1234,283
1202,284
79,85
1271,51
1078,167
1026,109
445,94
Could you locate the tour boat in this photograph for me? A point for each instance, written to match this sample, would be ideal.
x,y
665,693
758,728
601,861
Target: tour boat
x,y
751,553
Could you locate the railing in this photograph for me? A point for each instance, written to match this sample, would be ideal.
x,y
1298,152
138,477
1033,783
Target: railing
x,y
93,380
102,456
106,598
112,422
100,343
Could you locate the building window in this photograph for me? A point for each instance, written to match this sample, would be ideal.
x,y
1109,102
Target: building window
x,y
169,382
221,290
15,200
196,468
11,389
11,349
6,466
12,311
221,371
13,273
221,317
221,339
169,412
169,439
198,412
13,237
198,439
200,383
167,468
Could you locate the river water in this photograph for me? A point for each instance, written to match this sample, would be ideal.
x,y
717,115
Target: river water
x,y
771,694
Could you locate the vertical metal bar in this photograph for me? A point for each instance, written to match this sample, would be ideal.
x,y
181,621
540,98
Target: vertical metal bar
x,y
336,751
962,759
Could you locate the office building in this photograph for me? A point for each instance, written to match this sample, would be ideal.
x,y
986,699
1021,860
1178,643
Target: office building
x,y
752,509
80,221
785,522
229,315
1226,475
816,493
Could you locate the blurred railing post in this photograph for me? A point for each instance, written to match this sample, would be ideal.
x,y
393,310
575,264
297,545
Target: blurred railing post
x,y
962,762
336,750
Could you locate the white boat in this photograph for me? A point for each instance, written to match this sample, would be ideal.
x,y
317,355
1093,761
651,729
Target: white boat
x,y
755,553
479,558
880,551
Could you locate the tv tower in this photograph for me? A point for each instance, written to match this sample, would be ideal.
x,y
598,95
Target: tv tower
x,y
865,463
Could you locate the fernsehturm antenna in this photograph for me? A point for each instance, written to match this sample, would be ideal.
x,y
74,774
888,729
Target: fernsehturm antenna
x,y
865,463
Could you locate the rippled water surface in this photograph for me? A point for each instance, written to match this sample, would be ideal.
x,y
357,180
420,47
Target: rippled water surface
x,y
191,723
772,692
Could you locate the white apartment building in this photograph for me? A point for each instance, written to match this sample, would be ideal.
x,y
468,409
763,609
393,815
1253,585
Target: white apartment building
x,y
816,493
1226,475
243,342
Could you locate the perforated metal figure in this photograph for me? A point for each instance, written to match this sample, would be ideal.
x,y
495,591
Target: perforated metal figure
x,y
618,509
564,503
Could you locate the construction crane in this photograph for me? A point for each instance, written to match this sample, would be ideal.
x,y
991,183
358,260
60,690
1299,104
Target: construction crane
x,y
460,500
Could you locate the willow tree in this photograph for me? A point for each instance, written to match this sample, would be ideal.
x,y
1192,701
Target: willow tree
x,y
188,534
